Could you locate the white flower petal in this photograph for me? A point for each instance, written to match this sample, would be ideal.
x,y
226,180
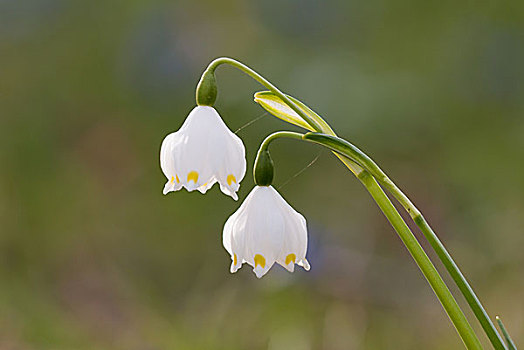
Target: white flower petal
x,y
204,151
206,186
295,243
172,185
305,264
167,162
229,192
264,230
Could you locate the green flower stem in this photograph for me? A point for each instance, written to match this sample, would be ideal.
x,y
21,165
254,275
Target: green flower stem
x,y
356,161
279,134
462,283
426,266
263,169
367,163
511,344
226,60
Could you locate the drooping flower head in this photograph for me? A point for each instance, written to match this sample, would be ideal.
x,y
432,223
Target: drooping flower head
x,y
264,230
203,151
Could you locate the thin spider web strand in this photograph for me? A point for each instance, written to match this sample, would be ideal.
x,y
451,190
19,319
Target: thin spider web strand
x,y
251,122
301,170
297,173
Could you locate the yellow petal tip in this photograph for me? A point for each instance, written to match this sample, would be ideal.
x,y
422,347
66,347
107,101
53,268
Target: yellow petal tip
x,y
291,258
230,179
260,260
192,176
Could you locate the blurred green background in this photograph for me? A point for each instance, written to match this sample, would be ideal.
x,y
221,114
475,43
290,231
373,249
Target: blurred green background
x,y
93,256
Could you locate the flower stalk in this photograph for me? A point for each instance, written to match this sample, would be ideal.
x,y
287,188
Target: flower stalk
x,y
237,229
429,271
346,148
226,60
426,266
317,124
356,159
263,169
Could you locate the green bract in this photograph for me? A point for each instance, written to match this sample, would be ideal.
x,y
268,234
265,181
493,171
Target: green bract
x,y
274,105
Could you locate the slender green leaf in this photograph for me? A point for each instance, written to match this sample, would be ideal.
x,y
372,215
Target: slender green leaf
x,y
510,342
344,147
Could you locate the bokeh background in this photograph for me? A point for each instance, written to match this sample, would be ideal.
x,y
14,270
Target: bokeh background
x,y
93,256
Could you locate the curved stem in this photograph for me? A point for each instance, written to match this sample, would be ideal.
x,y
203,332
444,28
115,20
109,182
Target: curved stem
x,y
356,161
226,60
263,169
463,285
351,151
424,263
279,134
426,266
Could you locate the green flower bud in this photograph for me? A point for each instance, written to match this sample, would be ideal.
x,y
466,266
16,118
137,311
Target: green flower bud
x,y
206,91
263,171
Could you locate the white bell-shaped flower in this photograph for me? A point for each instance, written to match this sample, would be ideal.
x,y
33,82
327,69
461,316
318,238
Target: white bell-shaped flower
x,y
264,230
202,152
